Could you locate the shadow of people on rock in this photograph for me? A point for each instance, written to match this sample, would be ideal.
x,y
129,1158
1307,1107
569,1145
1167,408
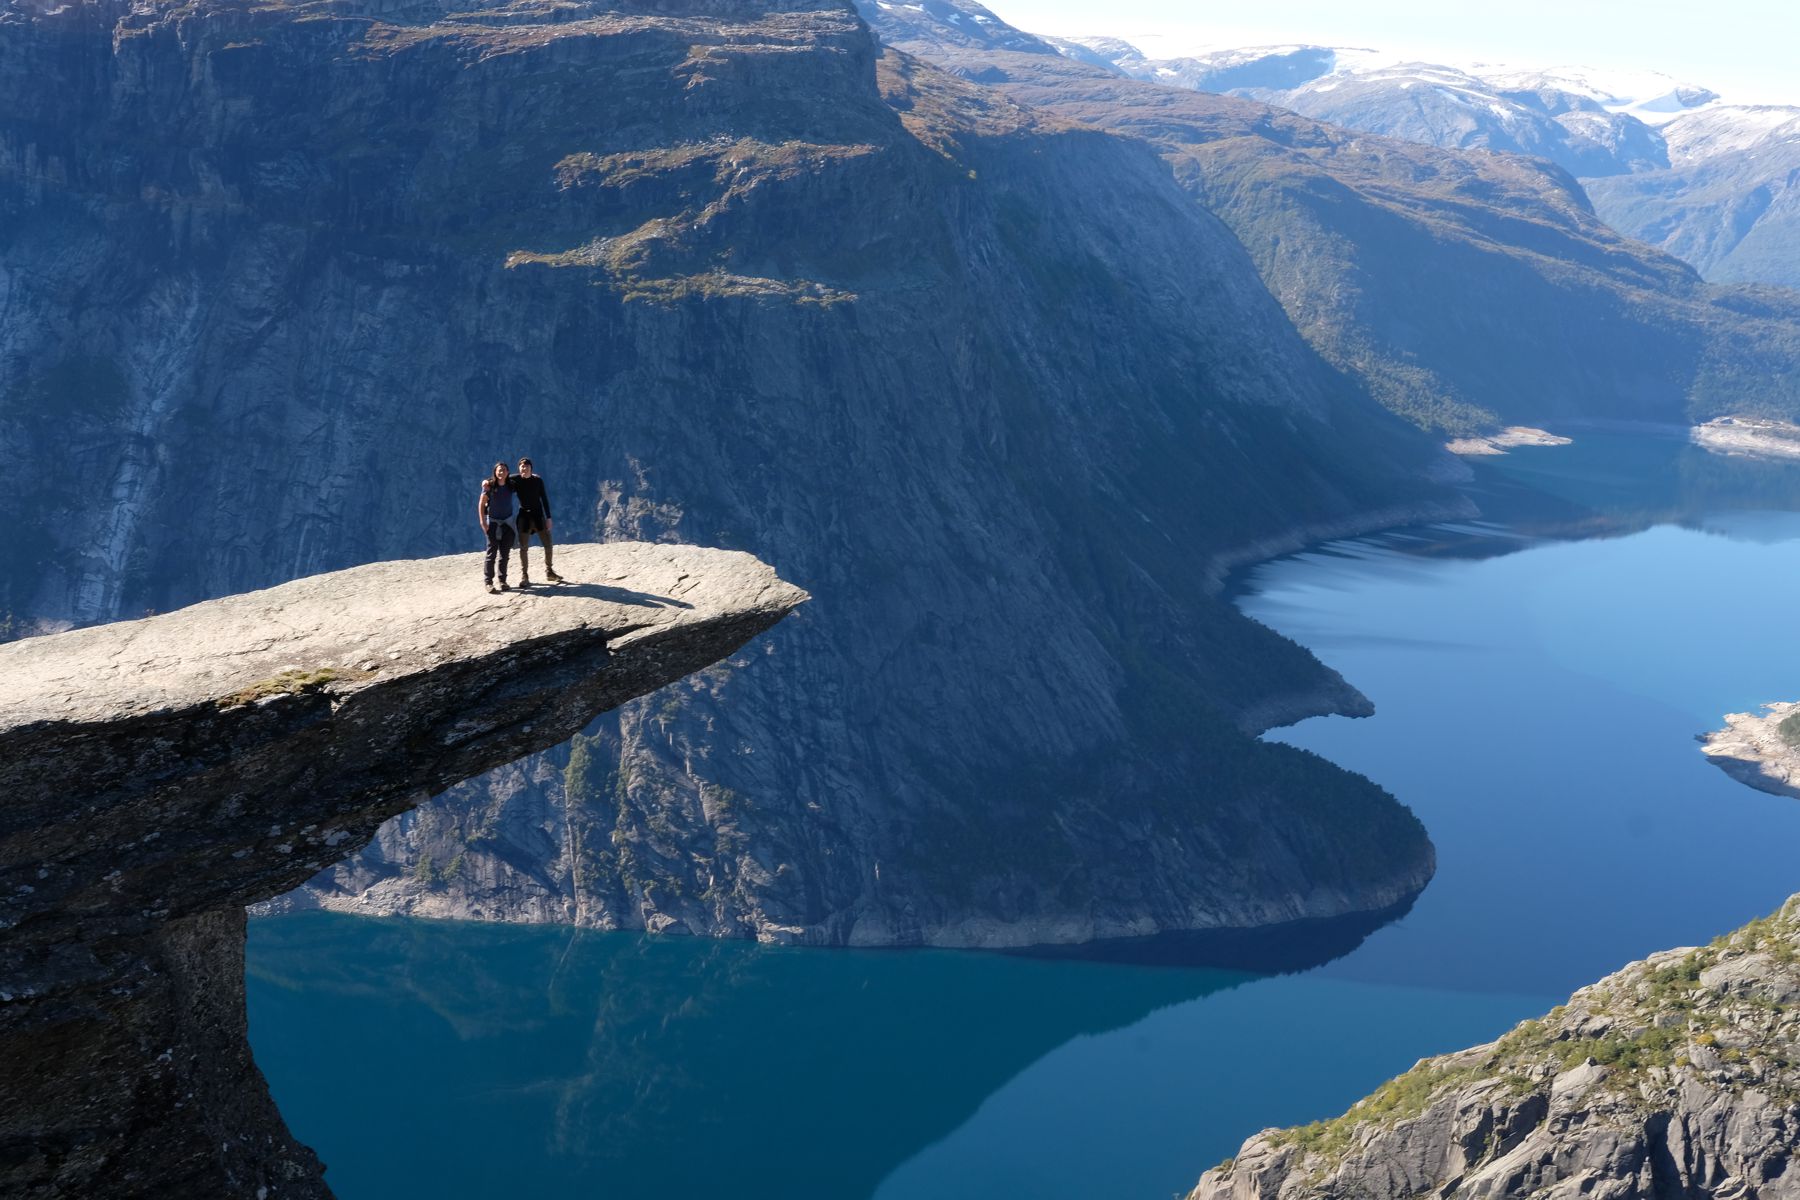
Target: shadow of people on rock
x,y
601,591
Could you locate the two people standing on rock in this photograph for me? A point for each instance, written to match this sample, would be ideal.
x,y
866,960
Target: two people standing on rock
x,y
511,510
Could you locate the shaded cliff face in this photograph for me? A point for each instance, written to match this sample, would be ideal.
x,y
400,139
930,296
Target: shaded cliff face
x,y
282,280
1466,289
1676,1076
161,774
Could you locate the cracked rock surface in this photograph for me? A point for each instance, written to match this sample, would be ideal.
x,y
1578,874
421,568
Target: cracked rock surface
x,y
1676,1076
161,774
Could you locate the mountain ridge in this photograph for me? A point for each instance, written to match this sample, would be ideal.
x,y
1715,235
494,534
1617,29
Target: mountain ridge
x,y
1675,165
1468,290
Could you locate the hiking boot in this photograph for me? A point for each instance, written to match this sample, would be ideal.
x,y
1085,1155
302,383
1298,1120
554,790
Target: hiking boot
x,y
552,576
492,590
503,586
524,581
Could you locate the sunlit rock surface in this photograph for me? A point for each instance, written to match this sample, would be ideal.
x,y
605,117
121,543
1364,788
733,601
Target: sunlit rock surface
x,y
160,774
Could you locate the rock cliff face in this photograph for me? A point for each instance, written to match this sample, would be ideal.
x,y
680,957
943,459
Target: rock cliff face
x,y
278,282
1468,290
1677,1076
161,774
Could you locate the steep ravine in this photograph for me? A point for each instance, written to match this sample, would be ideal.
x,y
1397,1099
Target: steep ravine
x,y
988,385
160,774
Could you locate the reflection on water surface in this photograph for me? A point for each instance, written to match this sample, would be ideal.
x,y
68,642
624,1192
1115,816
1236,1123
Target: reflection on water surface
x,y
1536,703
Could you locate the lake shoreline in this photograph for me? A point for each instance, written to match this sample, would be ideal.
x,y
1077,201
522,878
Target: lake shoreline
x,y
1749,437
1510,438
1751,750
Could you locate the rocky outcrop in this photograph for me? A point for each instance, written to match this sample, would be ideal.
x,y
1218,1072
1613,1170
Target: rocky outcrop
x,y
1677,1076
163,773
1749,437
1761,750
988,385
1510,438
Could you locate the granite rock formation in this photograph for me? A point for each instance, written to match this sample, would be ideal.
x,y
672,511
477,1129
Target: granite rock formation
x,y
990,386
1676,1076
1761,750
161,774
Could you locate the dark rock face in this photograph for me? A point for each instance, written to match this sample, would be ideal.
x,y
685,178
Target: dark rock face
x,y
161,774
1466,289
139,1082
992,388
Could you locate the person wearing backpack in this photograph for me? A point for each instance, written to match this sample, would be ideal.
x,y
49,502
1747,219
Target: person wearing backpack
x,y
534,517
498,512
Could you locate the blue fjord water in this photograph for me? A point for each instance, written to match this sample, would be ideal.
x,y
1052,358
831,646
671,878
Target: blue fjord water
x,y
1537,698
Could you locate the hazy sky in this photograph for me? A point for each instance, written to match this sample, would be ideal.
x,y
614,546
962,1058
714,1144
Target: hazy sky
x,y
1748,50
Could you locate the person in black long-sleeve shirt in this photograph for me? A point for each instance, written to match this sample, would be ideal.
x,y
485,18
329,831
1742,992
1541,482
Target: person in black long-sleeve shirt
x,y
534,517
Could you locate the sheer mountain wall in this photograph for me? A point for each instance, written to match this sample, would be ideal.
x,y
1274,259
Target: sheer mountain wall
x,y
278,283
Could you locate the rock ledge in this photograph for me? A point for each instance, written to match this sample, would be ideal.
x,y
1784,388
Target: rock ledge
x,y
161,774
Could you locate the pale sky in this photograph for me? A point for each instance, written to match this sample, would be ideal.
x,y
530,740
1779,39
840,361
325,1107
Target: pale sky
x,y
1747,50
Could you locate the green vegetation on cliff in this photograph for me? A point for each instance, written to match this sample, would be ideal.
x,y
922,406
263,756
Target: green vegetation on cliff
x,y
1718,1018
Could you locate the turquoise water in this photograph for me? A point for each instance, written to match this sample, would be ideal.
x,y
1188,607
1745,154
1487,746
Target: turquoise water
x,y
1537,702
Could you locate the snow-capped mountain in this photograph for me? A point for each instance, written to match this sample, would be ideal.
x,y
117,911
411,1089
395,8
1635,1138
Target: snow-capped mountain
x,y
1588,124
1731,129
1729,202
1650,96
1255,69
1667,161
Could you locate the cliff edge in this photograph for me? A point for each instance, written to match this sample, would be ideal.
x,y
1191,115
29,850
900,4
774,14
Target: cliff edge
x,y
161,774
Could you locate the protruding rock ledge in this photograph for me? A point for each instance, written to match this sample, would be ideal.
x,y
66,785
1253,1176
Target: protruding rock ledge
x,y
158,775
1753,750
